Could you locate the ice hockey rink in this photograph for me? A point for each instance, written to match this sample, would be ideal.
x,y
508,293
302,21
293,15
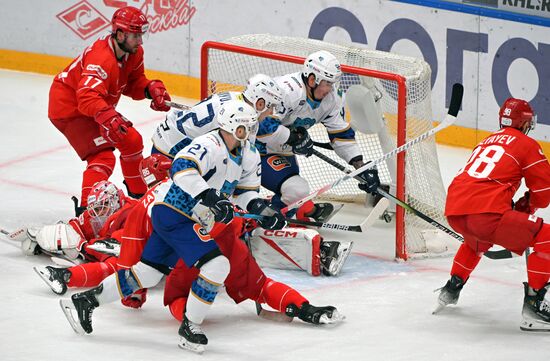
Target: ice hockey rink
x,y
388,305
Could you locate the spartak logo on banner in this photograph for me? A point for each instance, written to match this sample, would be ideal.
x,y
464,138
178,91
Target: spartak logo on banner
x,y
86,21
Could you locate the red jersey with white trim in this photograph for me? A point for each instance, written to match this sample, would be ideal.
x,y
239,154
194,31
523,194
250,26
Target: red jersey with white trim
x,y
137,230
95,80
493,174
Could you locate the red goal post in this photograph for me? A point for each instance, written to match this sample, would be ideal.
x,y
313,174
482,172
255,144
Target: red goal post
x,y
227,65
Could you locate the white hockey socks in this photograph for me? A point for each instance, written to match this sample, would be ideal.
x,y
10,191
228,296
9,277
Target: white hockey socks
x,y
205,288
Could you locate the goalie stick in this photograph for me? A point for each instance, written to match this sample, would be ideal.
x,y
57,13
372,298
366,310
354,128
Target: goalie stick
x,y
500,254
456,100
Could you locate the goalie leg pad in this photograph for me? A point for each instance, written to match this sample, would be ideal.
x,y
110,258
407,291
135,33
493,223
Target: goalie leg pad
x,y
59,237
288,248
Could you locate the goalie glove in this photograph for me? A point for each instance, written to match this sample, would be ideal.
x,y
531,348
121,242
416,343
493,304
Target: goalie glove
x,y
300,141
136,299
218,204
272,220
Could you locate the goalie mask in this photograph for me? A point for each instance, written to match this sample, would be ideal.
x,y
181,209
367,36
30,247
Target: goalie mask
x,y
235,114
516,113
324,66
154,168
261,86
104,199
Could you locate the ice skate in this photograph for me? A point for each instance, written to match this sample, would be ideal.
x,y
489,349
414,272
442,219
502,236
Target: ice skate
x,y
449,293
192,337
83,304
55,278
333,256
536,310
315,315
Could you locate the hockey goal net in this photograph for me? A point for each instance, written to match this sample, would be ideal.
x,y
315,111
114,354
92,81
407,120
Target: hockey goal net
x,y
404,84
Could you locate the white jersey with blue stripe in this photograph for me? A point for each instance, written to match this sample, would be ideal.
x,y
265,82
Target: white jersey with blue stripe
x,y
207,163
299,110
182,126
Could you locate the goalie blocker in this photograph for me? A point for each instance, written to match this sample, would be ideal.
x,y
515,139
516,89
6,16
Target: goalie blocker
x,y
298,248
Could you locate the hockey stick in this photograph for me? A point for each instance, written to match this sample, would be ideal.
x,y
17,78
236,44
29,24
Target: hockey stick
x,y
176,105
337,227
456,100
500,254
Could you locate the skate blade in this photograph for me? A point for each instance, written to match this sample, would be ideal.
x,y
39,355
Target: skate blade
x,y
67,306
534,326
438,309
46,279
335,270
335,318
193,347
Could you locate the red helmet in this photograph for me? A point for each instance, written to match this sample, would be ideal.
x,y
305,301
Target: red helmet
x,y
154,168
129,19
515,113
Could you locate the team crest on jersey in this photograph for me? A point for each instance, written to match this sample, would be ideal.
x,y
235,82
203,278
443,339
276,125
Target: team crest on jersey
x,y
277,163
201,233
97,69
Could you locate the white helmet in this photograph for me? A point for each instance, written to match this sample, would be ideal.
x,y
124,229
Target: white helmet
x,y
261,86
236,113
324,66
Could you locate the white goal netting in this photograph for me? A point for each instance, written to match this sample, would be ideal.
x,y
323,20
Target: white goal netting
x,y
228,69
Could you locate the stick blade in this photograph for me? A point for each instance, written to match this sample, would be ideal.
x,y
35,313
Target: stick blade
x,y
456,99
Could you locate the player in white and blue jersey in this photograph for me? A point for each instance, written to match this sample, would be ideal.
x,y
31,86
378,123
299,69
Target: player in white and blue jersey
x,y
181,126
310,97
204,174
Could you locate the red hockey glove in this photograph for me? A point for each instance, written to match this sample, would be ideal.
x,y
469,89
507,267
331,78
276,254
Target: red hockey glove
x,y
112,126
156,91
136,299
523,205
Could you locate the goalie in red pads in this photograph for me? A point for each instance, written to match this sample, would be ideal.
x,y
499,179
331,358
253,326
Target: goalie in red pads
x,y
480,207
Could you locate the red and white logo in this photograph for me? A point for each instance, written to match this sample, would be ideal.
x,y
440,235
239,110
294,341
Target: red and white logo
x,y
83,19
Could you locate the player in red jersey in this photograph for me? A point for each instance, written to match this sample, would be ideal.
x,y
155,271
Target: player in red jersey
x,y
84,95
245,281
480,207
131,229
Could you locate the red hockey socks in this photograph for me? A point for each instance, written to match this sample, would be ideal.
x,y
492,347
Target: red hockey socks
x,y
100,167
91,274
466,259
278,295
131,149
177,308
538,270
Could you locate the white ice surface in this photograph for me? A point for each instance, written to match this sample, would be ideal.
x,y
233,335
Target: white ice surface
x,y
388,304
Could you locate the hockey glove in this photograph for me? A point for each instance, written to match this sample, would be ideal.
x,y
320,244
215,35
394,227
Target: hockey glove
x,y
156,91
136,299
112,126
218,204
523,205
372,182
300,141
272,220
